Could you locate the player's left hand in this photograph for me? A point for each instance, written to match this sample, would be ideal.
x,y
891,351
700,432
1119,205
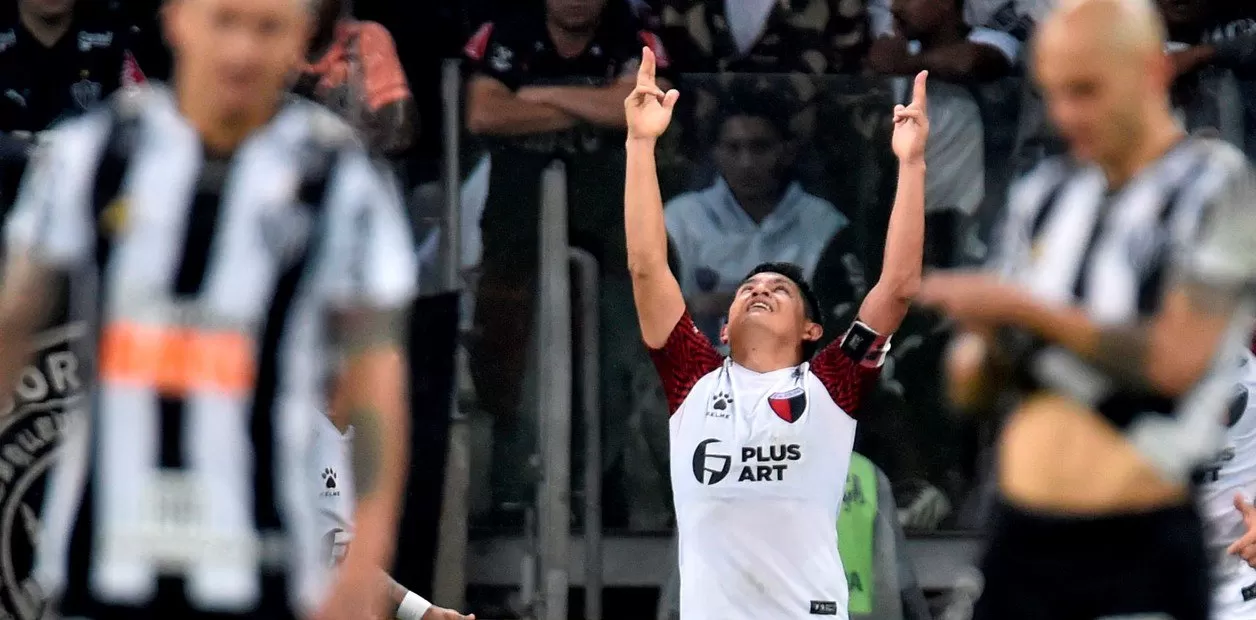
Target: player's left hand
x,y
440,613
911,124
1245,546
972,297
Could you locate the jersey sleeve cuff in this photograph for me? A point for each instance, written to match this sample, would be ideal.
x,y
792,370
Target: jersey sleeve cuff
x,y
865,345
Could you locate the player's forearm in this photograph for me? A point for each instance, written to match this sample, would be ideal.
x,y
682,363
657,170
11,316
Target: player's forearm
x,y
597,105
886,304
395,594
25,301
375,407
1151,357
644,225
496,114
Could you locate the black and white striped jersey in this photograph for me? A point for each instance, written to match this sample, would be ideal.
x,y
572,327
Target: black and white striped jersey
x,y
209,284
1070,238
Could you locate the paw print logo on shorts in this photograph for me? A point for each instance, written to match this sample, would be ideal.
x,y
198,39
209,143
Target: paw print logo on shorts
x,y
721,401
329,478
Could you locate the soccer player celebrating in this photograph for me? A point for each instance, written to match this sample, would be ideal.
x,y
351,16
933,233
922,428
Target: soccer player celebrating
x,y
760,442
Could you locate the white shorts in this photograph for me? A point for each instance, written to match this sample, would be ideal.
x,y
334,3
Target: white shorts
x,y
1227,598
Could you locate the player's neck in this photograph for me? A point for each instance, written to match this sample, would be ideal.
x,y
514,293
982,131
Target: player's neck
x,y
46,30
763,353
221,132
1159,136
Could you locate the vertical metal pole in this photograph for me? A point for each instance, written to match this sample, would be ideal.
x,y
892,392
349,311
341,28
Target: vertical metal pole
x,y
451,178
591,405
553,345
449,584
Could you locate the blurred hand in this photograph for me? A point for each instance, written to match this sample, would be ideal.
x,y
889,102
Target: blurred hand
x,y
927,509
971,297
440,613
911,124
648,109
1245,546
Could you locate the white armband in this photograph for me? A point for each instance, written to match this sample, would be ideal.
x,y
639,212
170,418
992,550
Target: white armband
x,y
412,607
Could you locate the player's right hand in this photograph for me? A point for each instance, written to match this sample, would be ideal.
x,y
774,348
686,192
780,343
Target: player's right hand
x,y
648,109
1245,546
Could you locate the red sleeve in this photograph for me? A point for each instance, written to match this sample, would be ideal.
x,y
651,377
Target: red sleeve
x,y
848,380
478,44
686,357
384,77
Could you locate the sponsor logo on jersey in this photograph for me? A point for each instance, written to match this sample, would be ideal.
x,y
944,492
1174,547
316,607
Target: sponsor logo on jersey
x,y
48,392
757,463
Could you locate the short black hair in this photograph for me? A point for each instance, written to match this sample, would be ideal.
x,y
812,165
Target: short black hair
x,y
752,101
811,307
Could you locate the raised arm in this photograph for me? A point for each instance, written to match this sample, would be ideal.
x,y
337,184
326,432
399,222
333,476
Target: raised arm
x,y
886,304
660,305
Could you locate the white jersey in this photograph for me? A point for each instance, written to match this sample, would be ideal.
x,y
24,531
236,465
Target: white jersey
x,y
211,285
758,469
332,477
1234,471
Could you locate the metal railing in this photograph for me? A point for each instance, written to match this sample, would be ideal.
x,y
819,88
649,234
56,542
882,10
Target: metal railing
x,y
544,567
449,584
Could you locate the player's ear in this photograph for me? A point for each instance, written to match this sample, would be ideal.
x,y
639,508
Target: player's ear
x,y
812,332
724,331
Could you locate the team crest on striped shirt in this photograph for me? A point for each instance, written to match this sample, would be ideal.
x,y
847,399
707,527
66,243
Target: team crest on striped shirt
x,y
789,405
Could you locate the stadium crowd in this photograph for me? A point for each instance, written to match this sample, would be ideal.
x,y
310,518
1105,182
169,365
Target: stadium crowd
x,y
779,152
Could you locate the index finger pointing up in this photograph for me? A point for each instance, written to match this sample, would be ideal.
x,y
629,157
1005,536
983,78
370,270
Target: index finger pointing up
x,y
645,73
919,98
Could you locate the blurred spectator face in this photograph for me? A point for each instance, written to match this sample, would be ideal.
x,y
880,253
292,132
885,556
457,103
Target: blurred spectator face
x,y
47,9
1183,13
772,303
752,156
917,18
239,49
576,15
1096,90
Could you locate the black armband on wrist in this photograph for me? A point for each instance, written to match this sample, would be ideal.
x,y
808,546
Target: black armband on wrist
x,y
864,345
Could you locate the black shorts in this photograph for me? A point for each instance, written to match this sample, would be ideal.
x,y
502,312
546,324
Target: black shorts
x,y
1050,567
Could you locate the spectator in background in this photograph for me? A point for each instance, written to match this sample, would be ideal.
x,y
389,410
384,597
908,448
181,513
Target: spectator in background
x,y
766,36
549,83
932,35
57,59
1207,52
354,70
756,212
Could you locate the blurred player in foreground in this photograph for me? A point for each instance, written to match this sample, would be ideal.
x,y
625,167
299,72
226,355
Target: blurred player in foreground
x,y
1122,282
333,450
761,441
1223,485
224,239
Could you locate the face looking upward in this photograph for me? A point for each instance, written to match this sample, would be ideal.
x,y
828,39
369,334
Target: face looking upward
x,y
771,303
